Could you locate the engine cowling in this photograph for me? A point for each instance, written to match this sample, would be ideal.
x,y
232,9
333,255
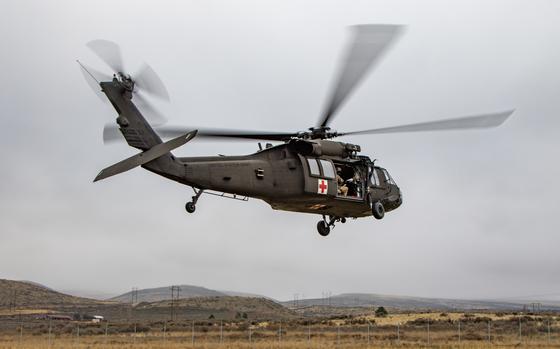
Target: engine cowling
x,y
323,147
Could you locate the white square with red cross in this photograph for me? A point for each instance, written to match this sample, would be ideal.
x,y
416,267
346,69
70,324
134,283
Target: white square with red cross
x,y
322,186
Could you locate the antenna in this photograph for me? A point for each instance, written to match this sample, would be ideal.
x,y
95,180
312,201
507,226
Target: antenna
x,y
87,71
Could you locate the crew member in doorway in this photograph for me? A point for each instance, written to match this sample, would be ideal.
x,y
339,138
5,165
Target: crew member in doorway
x,y
342,187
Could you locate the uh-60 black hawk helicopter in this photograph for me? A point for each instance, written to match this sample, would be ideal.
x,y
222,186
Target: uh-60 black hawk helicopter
x,y
308,172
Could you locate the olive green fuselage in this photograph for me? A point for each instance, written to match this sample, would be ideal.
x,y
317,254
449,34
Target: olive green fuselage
x,y
299,175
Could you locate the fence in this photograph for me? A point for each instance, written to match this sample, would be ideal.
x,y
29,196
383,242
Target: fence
x,y
296,333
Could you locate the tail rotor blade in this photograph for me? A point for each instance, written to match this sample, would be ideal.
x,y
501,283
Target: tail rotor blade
x,y
147,80
369,44
468,122
152,115
109,52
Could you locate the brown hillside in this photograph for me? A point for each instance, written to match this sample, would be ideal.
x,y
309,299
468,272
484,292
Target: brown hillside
x,y
27,295
254,307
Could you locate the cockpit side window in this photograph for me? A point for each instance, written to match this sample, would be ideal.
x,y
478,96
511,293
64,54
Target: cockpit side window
x,y
374,177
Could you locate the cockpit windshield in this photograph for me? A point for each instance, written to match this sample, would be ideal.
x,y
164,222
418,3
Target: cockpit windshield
x,y
388,177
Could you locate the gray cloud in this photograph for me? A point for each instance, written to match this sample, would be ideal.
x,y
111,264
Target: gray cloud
x,y
479,218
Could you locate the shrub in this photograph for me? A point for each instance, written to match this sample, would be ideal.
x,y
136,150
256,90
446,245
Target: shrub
x,y
381,312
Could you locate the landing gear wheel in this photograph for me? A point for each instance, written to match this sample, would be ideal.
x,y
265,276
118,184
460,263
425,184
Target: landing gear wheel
x,y
343,220
323,228
190,207
378,210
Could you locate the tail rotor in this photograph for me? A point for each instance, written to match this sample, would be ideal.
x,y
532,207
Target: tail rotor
x,y
145,82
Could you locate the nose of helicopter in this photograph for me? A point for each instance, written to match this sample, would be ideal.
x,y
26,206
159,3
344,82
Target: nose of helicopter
x,y
400,199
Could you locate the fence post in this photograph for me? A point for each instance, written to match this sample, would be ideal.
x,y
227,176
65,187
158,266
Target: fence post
x,y
548,330
50,331
78,334
164,330
308,333
192,333
459,327
489,338
519,328
106,331
338,335
20,330
134,339
280,332
250,334
368,331
428,331
221,331
398,333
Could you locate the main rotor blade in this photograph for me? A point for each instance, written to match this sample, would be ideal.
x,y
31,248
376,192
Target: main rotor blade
x,y
147,80
152,115
468,122
369,44
109,52
93,77
111,133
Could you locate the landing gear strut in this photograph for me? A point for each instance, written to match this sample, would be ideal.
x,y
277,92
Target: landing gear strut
x,y
324,226
191,205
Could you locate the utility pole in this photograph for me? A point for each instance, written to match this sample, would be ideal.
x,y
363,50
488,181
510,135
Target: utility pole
x,y
14,301
174,297
134,296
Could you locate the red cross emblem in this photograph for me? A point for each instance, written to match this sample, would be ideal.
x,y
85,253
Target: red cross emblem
x,y
323,186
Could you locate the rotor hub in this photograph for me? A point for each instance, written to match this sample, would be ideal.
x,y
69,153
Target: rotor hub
x,y
321,132
125,80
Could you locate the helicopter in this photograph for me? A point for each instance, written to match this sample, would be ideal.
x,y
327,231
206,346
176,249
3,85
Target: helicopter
x,y
307,172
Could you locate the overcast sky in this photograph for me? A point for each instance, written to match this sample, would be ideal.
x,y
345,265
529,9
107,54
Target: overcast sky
x,y
480,212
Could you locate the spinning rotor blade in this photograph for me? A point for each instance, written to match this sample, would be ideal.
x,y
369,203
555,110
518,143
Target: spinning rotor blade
x,y
468,122
109,52
148,111
93,77
111,133
369,43
147,79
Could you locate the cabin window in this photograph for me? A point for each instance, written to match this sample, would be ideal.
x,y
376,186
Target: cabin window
x,y
313,167
328,169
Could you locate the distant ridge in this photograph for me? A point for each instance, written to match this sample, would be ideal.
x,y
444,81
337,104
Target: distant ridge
x,y
26,294
186,291
412,303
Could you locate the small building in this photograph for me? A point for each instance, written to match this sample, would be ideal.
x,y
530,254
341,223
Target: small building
x,y
97,318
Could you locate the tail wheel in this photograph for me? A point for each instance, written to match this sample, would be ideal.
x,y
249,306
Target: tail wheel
x,y
190,207
323,228
378,210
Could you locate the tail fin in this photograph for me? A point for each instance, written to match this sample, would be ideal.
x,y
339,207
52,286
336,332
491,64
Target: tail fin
x,y
151,154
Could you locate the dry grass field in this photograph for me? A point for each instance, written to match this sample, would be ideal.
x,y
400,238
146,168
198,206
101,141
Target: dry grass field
x,y
407,330
184,340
